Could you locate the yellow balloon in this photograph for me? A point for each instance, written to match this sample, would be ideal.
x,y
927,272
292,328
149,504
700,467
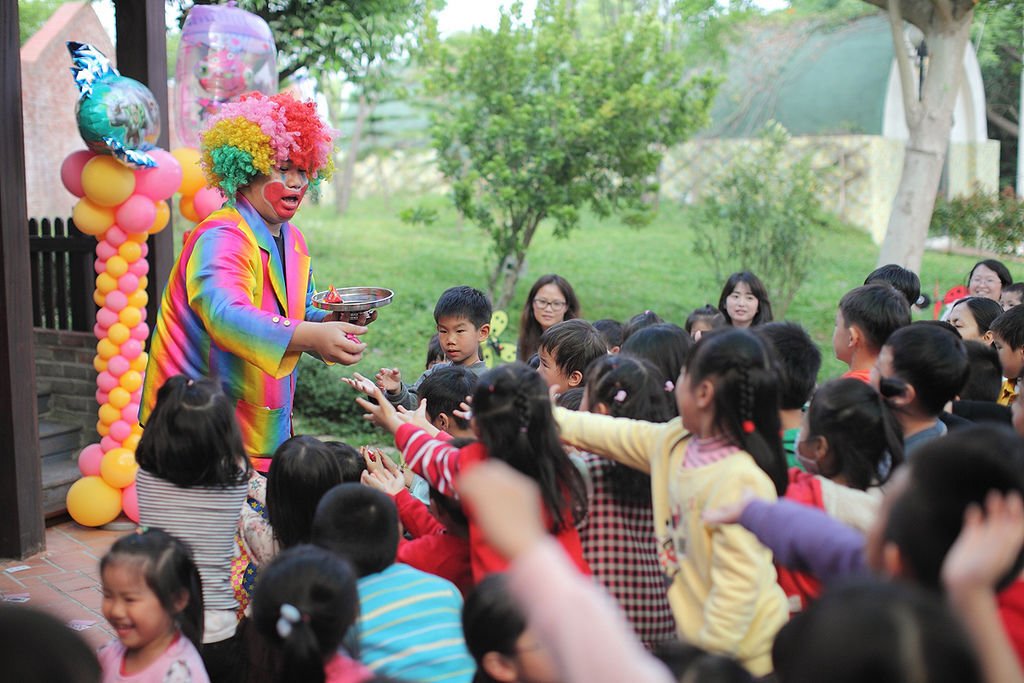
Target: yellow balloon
x,y
129,251
109,414
116,266
163,217
138,237
119,397
136,430
101,428
143,282
106,349
107,181
188,209
93,502
99,298
139,364
118,467
118,333
105,282
192,179
130,316
138,299
132,442
91,218
131,380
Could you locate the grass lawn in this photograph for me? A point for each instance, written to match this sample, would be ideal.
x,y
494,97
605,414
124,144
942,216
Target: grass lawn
x,y
617,271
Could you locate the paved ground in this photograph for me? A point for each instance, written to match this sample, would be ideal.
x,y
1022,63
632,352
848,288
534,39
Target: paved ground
x,y
64,579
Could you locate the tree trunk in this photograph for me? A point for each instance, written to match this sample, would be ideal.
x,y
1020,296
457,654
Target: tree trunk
x,y
926,148
506,272
343,181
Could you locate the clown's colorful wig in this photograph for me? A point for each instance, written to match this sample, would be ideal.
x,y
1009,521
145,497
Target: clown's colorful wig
x,y
248,137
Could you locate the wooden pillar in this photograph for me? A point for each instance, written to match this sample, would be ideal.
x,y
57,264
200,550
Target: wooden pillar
x,y
142,54
22,531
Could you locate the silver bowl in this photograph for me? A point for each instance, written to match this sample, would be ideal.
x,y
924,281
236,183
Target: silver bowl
x,y
355,300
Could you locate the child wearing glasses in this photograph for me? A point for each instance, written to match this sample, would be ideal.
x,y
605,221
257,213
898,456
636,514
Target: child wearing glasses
x,y
551,300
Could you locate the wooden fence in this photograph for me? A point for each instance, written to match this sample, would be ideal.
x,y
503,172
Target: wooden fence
x,y
63,280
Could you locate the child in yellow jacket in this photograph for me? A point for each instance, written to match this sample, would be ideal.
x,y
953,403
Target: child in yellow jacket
x,y
723,587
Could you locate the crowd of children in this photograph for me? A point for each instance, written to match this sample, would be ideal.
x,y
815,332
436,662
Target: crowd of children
x,y
633,501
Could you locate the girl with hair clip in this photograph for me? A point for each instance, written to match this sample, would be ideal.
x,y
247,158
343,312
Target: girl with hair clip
x,y
305,602
744,300
551,300
152,597
192,483
723,587
513,421
618,533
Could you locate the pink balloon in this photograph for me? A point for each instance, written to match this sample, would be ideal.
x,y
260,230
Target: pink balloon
x,y
120,430
160,182
99,331
130,502
132,348
128,282
99,265
141,267
102,397
137,213
117,366
130,413
116,300
105,249
105,317
207,200
89,460
109,444
107,380
144,248
116,236
140,332
71,171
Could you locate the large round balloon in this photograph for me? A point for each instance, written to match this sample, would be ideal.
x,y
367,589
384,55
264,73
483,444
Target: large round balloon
x,y
116,115
224,52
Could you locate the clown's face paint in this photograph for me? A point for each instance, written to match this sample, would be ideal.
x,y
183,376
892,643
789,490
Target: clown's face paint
x,y
277,196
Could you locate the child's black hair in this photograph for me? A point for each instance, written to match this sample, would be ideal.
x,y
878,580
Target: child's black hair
x,y
757,288
349,460
304,603
997,267
985,374
798,358
691,664
865,442
361,524
906,282
666,346
492,621
529,328
302,471
984,310
705,314
453,509
876,310
515,423
571,399
944,477
746,398
1010,327
167,567
630,387
36,646
1014,288
573,344
931,359
611,330
435,354
870,630
464,302
192,437
639,322
444,389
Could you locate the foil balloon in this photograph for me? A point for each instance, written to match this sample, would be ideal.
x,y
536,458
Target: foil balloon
x,y
224,52
116,115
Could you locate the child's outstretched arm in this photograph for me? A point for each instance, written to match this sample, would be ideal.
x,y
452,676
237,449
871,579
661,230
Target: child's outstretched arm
x,y
987,547
589,638
631,442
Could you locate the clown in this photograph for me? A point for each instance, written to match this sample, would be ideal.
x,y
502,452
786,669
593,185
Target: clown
x,y
237,304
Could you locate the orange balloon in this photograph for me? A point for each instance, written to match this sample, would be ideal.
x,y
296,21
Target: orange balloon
x,y
91,218
118,467
163,217
108,414
119,397
100,364
143,282
129,251
192,178
188,209
130,316
105,282
93,502
131,380
137,430
139,363
138,299
102,428
116,266
99,298
119,333
107,181
138,237
106,349
132,442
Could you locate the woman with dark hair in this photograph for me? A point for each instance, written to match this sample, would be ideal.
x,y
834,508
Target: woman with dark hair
x,y
551,300
987,278
744,300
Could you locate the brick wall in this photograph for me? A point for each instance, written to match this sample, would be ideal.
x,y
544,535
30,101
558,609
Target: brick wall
x,y
64,362
48,98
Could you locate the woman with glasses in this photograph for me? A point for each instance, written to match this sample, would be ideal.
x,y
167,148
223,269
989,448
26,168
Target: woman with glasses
x,y
551,300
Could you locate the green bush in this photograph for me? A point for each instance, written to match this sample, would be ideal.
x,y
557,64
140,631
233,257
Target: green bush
x,y
327,405
763,215
985,220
